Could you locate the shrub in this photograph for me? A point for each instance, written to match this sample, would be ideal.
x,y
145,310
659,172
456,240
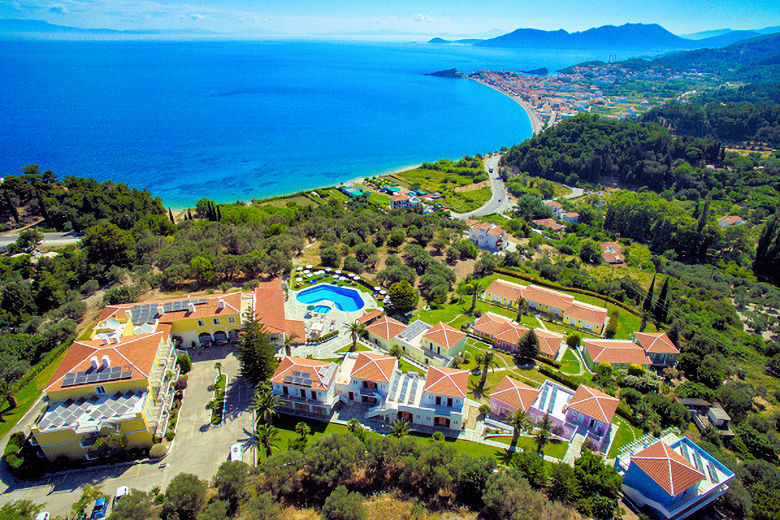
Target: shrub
x,y
185,363
181,383
121,294
635,370
263,507
158,451
169,435
343,505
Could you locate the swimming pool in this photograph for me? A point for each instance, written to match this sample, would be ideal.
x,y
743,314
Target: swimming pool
x,y
344,298
322,309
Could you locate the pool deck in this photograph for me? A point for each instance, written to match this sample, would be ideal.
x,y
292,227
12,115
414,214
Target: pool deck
x,y
335,319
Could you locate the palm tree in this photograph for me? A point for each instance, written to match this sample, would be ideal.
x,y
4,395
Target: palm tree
x,y
400,428
266,436
486,360
303,430
520,308
543,433
264,404
473,286
289,339
355,329
520,422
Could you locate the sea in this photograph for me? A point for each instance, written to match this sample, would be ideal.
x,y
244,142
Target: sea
x,y
236,120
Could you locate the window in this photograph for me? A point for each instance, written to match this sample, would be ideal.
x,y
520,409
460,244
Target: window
x,y
231,319
303,393
449,402
100,390
313,394
216,321
200,323
285,391
438,399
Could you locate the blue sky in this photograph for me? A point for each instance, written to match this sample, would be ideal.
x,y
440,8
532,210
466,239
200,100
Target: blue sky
x,y
423,17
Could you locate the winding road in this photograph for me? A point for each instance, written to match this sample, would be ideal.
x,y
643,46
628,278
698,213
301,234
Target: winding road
x,y
499,199
49,239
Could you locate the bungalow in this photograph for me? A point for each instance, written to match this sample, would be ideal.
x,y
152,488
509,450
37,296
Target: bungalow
x,y
731,220
445,393
658,347
572,217
444,340
548,223
430,345
547,301
585,316
555,206
502,331
488,236
673,478
400,200
617,352
305,385
504,292
510,395
591,412
365,377
549,342
612,252
384,330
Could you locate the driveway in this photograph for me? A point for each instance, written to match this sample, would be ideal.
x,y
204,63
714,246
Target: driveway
x,y
198,448
499,199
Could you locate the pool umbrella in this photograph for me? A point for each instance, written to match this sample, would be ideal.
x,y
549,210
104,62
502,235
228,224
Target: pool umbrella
x,y
309,266
377,289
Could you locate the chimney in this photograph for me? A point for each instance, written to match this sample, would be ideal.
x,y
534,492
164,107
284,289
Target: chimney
x,y
114,340
106,362
94,361
128,314
221,304
190,307
160,310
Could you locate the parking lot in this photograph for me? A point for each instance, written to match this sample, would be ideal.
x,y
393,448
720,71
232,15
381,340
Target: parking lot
x,y
198,447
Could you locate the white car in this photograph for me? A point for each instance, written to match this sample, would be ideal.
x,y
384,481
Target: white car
x,y
120,492
42,516
236,452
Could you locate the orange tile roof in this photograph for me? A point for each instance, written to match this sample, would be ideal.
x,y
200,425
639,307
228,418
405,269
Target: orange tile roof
x,y
552,204
444,335
559,300
268,303
656,343
400,197
317,371
586,312
496,230
594,403
667,468
505,289
386,327
731,219
446,381
500,328
549,342
374,367
548,223
514,394
370,316
136,352
616,351
204,310
612,252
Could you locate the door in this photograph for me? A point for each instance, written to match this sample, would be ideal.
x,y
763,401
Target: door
x,y
352,396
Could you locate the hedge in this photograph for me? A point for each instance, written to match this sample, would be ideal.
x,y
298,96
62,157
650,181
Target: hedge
x,y
551,285
549,361
323,338
571,381
46,361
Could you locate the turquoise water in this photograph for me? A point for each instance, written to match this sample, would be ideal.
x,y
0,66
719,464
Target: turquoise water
x,y
344,298
322,309
236,120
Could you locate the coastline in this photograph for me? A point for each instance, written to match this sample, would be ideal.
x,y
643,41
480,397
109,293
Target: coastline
x,y
536,123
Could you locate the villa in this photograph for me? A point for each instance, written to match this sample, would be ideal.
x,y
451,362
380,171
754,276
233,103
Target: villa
x,y
365,377
617,352
612,252
553,303
555,206
506,333
571,217
731,220
658,347
424,343
586,411
488,236
671,477
548,223
305,385
383,331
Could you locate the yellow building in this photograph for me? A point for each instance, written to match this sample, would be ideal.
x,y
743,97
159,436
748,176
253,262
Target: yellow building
x,y
110,384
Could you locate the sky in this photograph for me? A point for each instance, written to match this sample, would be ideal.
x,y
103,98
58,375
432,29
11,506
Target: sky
x,y
420,17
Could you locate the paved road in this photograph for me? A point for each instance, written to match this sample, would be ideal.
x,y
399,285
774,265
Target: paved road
x,y
49,239
198,448
499,199
575,192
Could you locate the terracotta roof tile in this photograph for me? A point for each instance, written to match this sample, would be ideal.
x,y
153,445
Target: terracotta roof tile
x,y
386,327
616,351
505,289
514,394
587,313
594,403
549,342
444,335
370,316
612,252
500,328
656,343
209,309
268,303
318,371
446,381
667,468
548,223
559,300
730,219
374,367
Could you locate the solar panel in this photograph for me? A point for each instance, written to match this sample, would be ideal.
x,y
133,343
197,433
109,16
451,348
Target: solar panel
x,y
92,378
127,375
80,380
104,376
115,371
68,380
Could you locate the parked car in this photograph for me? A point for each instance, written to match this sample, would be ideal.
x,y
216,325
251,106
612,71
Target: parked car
x,y
42,516
100,509
120,492
236,452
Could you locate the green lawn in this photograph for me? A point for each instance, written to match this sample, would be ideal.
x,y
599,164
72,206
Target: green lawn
x,y
28,394
626,434
379,198
570,364
360,348
405,366
445,180
553,449
218,399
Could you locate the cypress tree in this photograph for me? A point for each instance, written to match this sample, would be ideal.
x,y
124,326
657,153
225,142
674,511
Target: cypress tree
x,y
11,207
661,305
170,215
189,214
768,250
704,211
219,214
648,304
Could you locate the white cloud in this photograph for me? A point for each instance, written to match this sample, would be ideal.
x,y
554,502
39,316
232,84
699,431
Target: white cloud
x,y
196,16
58,9
422,18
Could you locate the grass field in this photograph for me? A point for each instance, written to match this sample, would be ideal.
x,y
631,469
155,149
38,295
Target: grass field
x,y
28,394
626,434
569,363
553,449
444,180
360,348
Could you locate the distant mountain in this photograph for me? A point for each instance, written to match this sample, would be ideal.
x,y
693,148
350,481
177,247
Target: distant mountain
x,y
716,42
24,27
706,34
463,40
629,36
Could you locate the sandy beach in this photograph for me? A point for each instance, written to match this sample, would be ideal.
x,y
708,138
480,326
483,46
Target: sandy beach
x,y
536,123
